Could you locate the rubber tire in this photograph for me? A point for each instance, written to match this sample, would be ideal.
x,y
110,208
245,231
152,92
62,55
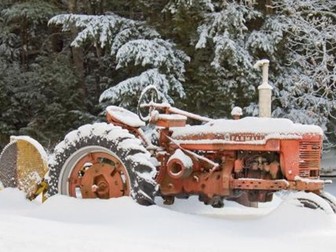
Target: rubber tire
x,y
331,199
124,145
310,200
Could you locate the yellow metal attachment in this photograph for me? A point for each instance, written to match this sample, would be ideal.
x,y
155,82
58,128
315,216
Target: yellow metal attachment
x,y
40,188
23,164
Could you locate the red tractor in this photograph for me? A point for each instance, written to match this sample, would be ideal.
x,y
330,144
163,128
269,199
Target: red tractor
x,y
247,160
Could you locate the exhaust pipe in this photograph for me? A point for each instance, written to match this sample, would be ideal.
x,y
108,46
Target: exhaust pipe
x,y
265,90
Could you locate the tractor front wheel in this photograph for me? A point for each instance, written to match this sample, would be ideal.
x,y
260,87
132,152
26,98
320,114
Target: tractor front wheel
x,y
102,161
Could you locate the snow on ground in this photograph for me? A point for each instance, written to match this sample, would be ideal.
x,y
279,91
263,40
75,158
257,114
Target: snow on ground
x,y
69,224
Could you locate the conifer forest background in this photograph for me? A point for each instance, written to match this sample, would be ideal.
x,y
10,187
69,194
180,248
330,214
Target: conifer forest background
x,y
62,62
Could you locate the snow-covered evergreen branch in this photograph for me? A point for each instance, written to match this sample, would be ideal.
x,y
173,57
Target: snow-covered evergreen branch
x,y
131,43
134,86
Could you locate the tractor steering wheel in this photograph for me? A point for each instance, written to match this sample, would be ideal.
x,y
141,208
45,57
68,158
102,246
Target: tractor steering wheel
x,y
148,96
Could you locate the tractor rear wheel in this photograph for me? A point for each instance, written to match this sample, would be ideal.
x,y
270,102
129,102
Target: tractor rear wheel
x,y
102,161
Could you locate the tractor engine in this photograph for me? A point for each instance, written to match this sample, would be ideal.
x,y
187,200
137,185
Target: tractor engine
x,y
260,165
250,157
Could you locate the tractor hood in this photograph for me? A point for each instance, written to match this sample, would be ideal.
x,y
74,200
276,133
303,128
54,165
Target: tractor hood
x,y
248,130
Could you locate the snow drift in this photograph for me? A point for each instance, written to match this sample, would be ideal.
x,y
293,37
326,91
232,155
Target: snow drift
x,y
68,224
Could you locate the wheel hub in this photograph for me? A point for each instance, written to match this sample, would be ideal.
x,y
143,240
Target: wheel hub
x,y
102,181
98,175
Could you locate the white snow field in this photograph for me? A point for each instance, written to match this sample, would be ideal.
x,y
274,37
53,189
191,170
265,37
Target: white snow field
x,y
68,224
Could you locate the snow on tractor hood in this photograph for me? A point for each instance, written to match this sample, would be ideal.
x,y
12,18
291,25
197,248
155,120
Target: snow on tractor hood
x,y
254,130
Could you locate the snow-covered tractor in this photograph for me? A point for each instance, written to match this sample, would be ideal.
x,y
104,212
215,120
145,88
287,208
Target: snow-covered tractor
x,y
247,159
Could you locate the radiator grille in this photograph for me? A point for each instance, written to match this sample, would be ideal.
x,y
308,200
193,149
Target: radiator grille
x,y
310,155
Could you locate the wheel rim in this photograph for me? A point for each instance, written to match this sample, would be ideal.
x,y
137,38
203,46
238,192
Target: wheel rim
x,y
94,172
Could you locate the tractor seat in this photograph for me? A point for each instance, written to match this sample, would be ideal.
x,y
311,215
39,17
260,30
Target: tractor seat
x,y
168,120
123,116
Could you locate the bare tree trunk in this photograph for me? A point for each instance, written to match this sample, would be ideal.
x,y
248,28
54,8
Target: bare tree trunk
x,y
77,53
24,43
72,6
269,7
96,7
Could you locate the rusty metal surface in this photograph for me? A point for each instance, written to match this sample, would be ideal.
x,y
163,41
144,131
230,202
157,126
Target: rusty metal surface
x,y
270,161
98,175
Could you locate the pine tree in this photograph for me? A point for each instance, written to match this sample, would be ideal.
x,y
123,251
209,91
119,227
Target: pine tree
x,y
221,65
119,47
38,86
133,46
28,17
298,37
306,75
